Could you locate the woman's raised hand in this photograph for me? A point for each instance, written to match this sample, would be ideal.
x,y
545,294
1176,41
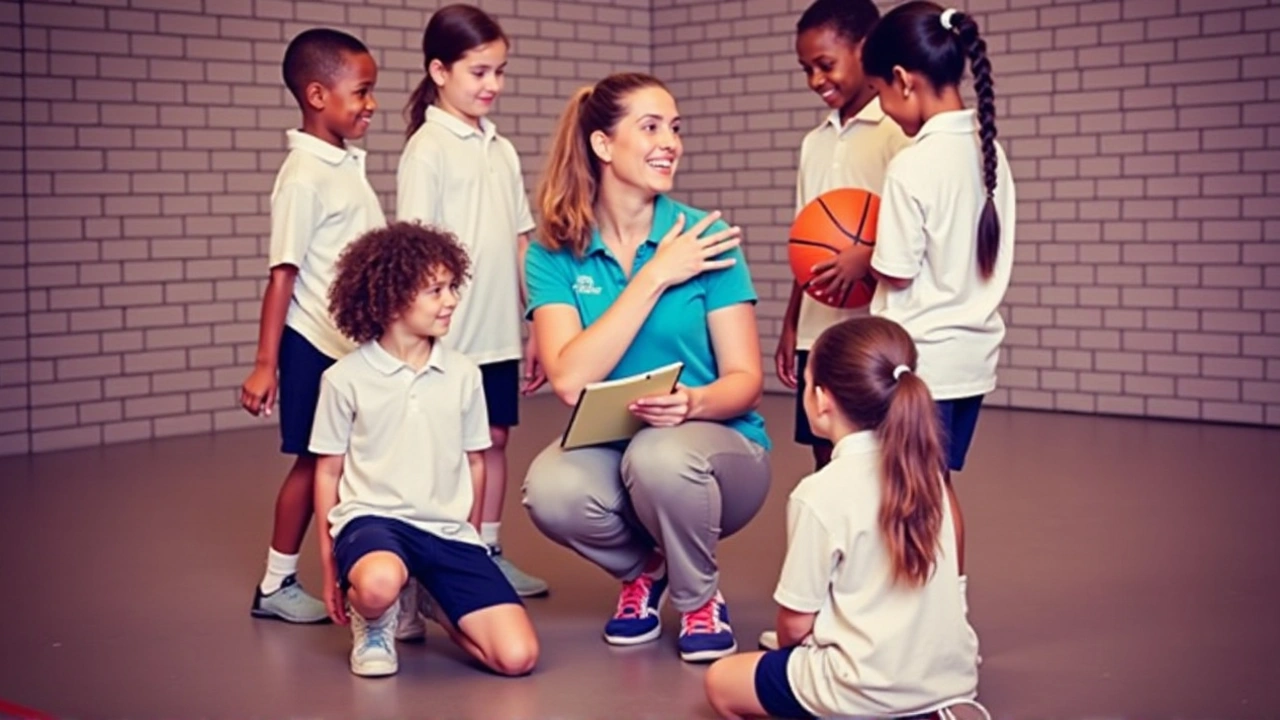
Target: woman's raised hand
x,y
683,254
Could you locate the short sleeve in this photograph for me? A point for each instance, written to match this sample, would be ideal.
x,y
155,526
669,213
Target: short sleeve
x,y
335,416
900,238
419,187
805,581
296,212
731,285
524,218
475,414
547,278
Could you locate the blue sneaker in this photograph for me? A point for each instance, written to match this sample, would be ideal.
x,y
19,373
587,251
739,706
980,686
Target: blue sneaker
x,y
636,620
705,634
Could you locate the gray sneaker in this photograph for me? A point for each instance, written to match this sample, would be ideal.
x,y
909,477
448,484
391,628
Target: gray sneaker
x,y
409,624
525,585
289,603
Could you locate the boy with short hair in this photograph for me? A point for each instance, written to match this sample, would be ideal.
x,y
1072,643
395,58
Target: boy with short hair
x,y
401,429
321,202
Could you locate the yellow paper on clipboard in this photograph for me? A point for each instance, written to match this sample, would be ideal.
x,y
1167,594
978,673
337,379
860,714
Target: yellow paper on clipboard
x,y
601,415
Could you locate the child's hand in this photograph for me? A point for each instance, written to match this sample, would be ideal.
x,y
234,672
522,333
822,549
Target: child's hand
x,y
834,277
666,410
785,357
334,600
534,375
258,394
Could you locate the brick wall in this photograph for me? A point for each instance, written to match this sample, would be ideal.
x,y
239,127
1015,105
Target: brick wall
x,y
153,131
1144,137
13,300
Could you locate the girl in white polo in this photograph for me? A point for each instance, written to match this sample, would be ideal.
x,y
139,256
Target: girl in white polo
x,y
944,249
458,173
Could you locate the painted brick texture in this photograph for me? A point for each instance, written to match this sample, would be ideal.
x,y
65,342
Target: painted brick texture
x,y
1144,136
132,257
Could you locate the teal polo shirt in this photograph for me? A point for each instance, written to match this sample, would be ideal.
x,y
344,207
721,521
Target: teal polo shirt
x,y
676,329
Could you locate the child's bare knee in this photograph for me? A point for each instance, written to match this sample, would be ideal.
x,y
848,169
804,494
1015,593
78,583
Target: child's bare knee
x,y
516,657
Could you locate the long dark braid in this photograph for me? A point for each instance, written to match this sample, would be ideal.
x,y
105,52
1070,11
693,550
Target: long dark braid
x,y
980,65
914,37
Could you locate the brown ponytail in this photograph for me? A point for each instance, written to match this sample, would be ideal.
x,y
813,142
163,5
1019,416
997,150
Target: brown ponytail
x,y
855,361
912,36
452,31
566,195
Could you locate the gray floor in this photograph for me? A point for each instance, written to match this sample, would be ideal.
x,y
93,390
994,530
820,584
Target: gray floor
x,y
1118,568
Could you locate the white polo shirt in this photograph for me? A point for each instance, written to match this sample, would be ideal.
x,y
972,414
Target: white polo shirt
x,y
834,156
404,435
322,201
877,649
468,182
928,233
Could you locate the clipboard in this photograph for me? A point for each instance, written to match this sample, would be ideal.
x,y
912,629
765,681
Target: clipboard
x,y
601,416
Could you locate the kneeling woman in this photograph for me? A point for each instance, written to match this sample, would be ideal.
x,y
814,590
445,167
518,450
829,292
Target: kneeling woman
x,y
624,280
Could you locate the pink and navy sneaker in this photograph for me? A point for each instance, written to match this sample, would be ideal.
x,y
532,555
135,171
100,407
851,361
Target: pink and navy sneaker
x,y
636,620
705,634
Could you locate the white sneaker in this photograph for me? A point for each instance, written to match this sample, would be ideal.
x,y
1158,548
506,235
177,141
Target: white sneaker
x,y
373,647
409,624
768,640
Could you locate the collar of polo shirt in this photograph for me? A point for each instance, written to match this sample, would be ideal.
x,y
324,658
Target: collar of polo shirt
x,y
870,113
956,122
459,127
388,364
331,154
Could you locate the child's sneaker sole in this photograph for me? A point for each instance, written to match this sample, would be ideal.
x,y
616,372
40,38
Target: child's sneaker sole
x,y
376,668
703,656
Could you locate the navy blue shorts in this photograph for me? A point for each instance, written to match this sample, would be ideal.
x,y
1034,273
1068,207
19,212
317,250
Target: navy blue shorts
x,y
459,575
804,434
958,419
502,392
301,366
773,690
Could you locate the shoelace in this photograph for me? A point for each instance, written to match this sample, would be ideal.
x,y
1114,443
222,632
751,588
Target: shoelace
x,y
634,597
375,636
705,619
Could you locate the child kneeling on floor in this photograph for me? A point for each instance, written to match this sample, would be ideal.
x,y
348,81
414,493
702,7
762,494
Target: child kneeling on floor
x,y
400,433
872,621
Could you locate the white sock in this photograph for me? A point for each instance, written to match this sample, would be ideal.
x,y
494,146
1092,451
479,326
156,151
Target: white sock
x,y
964,593
279,567
489,533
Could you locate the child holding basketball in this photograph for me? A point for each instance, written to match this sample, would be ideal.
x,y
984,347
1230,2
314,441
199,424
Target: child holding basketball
x,y
321,202
871,620
400,431
944,253
850,149
457,173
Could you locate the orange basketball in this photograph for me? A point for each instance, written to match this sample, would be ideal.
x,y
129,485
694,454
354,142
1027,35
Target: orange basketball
x,y
835,220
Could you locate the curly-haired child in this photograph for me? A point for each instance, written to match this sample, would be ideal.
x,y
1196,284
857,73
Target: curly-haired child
x,y
399,398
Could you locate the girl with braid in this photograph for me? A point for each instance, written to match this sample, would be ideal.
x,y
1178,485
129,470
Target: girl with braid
x,y
944,249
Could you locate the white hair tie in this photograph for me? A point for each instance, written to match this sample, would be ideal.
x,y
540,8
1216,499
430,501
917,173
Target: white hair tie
x,y
898,371
948,18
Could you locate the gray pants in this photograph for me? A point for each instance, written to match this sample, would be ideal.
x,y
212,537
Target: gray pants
x,y
679,489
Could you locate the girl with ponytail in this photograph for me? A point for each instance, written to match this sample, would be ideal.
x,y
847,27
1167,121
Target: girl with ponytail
x,y
944,251
458,174
871,621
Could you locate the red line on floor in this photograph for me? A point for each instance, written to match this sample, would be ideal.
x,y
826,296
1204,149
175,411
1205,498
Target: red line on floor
x,y
13,711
